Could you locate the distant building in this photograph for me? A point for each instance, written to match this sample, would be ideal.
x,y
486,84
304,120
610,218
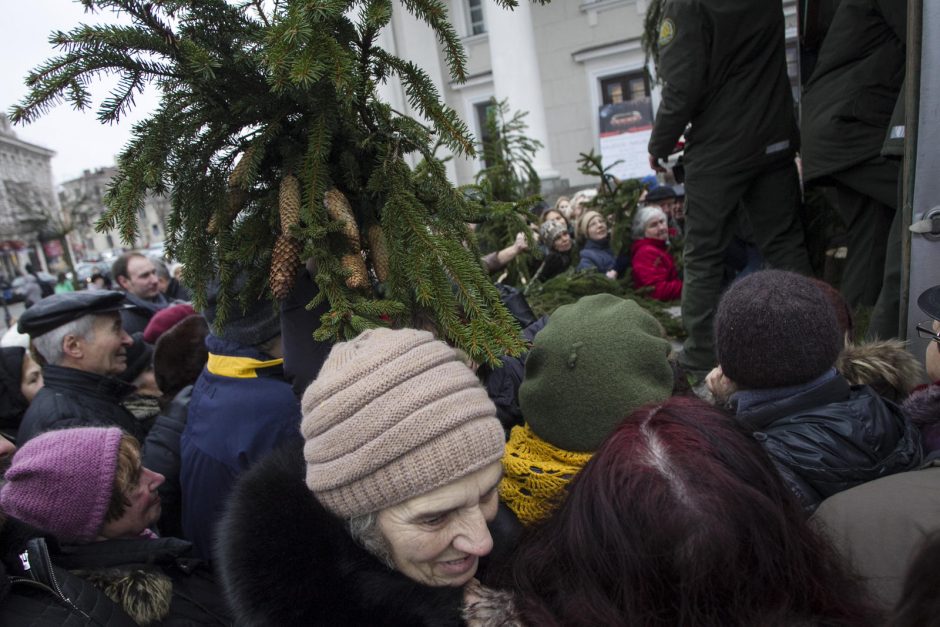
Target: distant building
x,y
83,199
561,62
27,203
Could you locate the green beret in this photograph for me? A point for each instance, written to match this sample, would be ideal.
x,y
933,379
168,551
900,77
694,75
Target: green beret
x,y
595,362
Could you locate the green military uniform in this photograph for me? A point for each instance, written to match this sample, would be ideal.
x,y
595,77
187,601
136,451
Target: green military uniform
x,y
847,107
724,70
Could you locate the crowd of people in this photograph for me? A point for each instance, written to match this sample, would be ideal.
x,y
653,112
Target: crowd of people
x,y
167,466
163,469
574,237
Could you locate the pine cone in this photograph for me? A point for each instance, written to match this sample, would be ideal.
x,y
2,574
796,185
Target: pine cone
x,y
359,274
339,209
378,252
236,199
289,203
239,175
285,259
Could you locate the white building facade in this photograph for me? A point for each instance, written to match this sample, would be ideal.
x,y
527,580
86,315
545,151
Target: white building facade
x,y
560,62
83,200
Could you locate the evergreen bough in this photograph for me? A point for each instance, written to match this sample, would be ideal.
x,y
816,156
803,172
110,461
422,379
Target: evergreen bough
x,y
254,92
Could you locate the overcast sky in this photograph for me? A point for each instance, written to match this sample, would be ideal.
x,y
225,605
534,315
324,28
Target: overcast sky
x,y
79,140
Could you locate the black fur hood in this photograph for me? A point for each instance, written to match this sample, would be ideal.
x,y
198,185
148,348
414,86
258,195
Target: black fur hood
x,y
285,560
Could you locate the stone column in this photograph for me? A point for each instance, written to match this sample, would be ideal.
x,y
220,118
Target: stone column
x,y
516,72
413,40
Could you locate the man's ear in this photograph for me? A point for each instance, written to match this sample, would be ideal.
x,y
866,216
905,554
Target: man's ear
x,y
73,346
123,281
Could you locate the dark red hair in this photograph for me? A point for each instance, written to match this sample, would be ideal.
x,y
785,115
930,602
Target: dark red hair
x,y
680,518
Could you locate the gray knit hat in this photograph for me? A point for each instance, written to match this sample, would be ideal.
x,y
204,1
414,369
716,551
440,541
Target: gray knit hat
x,y
392,415
549,232
775,329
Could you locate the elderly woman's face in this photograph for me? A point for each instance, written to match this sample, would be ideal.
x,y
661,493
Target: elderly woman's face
x,y
656,228
438,538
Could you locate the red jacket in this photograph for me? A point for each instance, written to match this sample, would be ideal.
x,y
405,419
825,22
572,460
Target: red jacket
x,y
653,266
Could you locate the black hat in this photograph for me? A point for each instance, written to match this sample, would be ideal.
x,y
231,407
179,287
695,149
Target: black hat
x,y
54,311
929,302
250,325
663,192
775,329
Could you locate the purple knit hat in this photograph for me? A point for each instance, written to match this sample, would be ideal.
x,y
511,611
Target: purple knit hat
x,y
61,481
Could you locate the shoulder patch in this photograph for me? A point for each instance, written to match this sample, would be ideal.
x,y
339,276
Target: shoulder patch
x,y
667,32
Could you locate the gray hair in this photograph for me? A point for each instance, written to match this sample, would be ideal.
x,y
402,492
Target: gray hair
x,y
49,345
642,217
364,530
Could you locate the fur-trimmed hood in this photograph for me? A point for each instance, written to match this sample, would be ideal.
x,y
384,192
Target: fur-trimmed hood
x,y
923,408
285,560
885,365
155,581
143,593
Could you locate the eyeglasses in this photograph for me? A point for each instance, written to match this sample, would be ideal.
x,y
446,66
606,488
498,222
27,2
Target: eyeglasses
x,y
925,330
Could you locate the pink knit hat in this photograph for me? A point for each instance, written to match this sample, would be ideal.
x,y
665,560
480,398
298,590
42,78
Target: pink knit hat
x,y
61,481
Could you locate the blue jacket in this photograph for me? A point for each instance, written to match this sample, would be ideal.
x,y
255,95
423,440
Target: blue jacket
x,y
241,409
597,256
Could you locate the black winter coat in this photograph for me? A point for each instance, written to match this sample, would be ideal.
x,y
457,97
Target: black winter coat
x,y
285,560
729,81
33,592
834,437
850,98
502,384
156,579
74,398
161,453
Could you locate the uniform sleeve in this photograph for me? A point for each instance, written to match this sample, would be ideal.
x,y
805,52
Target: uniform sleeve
x,y
895,15
684,48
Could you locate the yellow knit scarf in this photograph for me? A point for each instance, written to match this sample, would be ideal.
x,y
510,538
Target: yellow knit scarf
x,y
535,474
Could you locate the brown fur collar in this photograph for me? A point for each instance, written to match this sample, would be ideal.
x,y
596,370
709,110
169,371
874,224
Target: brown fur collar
x,y
487,607
144,594
885,365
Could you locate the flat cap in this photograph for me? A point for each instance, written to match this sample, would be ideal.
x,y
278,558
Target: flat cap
x,y
54,311
663,192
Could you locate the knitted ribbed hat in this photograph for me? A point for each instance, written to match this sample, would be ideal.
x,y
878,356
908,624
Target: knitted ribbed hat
x,y
775,329
594,362
61,481
583,222
392,415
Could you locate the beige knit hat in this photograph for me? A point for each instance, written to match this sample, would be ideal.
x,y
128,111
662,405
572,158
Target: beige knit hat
x,y
392,415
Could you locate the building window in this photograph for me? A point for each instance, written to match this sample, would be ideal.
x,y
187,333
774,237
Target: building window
x,y
155,230
482,111
624,87
110,241
476,24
